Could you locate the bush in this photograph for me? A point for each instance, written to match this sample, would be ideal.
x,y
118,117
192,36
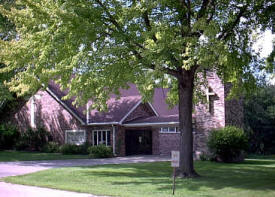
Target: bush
x,y
84,148
8,136
67,149
228,144
33,139
51,147
21,145
205,157
100,151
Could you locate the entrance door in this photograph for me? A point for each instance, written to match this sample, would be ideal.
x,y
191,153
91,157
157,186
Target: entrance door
x,y
138,142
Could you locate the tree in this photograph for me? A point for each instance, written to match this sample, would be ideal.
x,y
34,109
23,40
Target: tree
x,y
105,44
259,111
7,32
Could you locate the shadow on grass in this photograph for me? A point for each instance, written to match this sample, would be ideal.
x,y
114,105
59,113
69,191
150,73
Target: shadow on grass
x,y
250,175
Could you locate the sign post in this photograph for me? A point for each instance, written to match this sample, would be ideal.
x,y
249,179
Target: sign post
x,y
175,163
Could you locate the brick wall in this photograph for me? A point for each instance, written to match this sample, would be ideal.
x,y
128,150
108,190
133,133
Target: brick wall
x,y
120,141
205,119
234,112
50,115
155,141
168,142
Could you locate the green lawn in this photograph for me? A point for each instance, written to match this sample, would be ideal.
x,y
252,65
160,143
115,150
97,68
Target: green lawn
x,y
253,178
31,156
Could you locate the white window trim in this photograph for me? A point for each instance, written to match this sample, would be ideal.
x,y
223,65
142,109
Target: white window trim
x,y
74,131
162,130
101,130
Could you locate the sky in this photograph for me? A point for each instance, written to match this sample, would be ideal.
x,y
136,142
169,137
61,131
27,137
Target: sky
x,y
264,43
264,46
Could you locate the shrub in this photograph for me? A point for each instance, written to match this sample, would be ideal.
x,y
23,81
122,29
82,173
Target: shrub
x,y
51,147
100,151
33,139
67,149
228,144
21,145
8,136
84,148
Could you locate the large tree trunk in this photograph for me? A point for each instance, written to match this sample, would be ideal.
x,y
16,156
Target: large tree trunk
x,y
185,91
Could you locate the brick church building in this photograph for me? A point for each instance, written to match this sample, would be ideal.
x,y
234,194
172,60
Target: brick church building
x,y
129,126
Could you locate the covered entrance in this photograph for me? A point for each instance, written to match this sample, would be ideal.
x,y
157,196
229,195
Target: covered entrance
x,y
138,142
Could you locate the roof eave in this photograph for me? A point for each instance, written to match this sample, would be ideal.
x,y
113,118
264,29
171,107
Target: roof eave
x,y
150,124
103,123
65,106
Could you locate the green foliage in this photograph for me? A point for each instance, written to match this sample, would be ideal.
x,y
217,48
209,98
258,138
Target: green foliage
x,y
259,118
51,147
228,144
100,151
107,44
8,136
7,32
68,149
33,139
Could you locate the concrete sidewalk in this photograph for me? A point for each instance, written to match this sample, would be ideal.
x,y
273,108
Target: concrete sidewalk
x,y
25,167
14,190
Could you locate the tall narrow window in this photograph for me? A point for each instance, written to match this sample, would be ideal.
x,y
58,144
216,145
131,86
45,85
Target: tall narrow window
x,y
101,137
210,100
33,125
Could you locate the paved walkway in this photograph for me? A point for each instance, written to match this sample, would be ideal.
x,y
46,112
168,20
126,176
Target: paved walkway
x,y
25,167
14,190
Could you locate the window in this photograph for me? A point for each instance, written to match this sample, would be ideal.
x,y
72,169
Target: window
x,y
210,97
169,129
102,137
76,137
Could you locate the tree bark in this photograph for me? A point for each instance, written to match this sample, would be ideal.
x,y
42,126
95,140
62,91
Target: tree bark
x,y
185,92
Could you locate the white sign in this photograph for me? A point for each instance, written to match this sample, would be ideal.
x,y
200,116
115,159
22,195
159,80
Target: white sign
x,y
175,159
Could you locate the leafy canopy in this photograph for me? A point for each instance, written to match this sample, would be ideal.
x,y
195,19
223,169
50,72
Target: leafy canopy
x,y
105,43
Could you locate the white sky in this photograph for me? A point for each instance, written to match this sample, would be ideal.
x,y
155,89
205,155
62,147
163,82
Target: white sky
x,y
264,43
264,46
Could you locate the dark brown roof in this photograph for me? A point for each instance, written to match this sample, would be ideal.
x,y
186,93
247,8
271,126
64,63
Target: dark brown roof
x,y
119,108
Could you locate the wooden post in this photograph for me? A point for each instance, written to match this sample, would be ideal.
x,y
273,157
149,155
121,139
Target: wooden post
x,y
175,163
174,180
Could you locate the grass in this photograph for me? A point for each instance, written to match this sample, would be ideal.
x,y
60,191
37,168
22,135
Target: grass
x,y
252,178
31,156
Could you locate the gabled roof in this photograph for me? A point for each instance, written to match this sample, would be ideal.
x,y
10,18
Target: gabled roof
x,y
118,109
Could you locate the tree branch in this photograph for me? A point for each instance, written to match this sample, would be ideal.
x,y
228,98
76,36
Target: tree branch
x,y
135,52
203,8
169,71
148,25
230,26
212,11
